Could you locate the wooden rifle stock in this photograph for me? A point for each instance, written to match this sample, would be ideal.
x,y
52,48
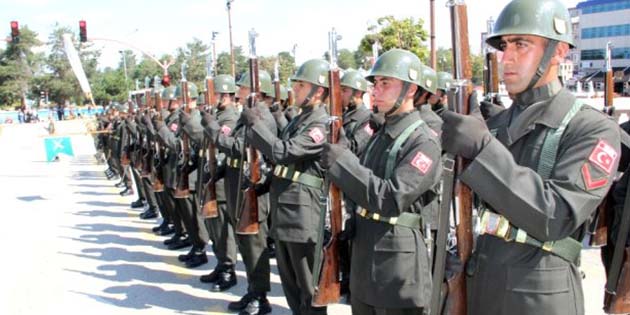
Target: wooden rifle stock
x,y
182,189
248,218
491,78
459,96
328,289
147,163
209,206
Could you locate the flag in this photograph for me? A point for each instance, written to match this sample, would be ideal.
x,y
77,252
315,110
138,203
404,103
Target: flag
x,y
56,145
77,67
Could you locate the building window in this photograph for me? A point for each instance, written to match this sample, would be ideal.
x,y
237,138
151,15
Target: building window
x,y
606,7
606,31
600,54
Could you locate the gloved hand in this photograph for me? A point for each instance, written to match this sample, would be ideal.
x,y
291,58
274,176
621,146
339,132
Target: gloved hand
x,y
146,120
277,114
488,109
330,154
207,118
349,230
376,121
343,140
464,135
250,116
159,124
184,118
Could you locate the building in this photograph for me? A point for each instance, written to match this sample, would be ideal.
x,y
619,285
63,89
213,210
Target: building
x,y
600,22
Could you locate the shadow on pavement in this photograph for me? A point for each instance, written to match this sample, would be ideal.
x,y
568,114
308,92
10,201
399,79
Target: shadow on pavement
x,y
115,239
104,227
102,213
115,254
94,193
92,185
103,203
30,198
140,296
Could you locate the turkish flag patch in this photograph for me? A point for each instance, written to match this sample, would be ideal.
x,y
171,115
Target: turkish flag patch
x,y
422,162
174,127
226,130
368,129
317,135
592,183
604,156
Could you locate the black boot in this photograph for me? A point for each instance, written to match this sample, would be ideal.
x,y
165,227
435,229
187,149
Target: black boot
x,y
259,305
179,243
156,229
211,277
173,239
197,259
127,192
242,303
138,203
166,230
227,279
151,213
120,184
187,256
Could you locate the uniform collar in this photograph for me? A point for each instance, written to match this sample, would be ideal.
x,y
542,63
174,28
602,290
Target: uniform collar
x,y
538,94
396,124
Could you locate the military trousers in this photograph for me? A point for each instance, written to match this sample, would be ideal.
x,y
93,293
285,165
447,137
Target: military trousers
x,y
295,265
359,307
139,184
253,249
162,207
149,194
222,237
193,220
176,216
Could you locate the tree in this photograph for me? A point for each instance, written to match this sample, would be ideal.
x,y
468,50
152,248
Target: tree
x,y
392,33
286,65
108,86
445,60
18,67
224,65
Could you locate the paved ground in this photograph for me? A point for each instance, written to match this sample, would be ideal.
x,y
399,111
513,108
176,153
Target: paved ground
x,y
73,246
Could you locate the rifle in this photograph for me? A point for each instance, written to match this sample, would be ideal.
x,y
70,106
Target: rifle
x,y
276,83
208,195
328,286
157,177
617,295
599,228
290,98
147,156
491,72
458,99
181,188
246,200
125,159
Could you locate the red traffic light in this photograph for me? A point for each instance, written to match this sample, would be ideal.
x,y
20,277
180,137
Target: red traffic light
x,y
83,31
15,32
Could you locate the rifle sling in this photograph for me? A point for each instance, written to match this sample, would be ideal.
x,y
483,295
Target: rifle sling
x,y
620,244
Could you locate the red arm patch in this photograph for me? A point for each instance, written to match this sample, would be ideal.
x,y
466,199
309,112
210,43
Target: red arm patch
x,y
604,156
317,135
225,130
174,127
368,129
422,162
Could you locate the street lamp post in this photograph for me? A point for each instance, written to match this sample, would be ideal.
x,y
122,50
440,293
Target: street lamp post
x,y
229,7
124,57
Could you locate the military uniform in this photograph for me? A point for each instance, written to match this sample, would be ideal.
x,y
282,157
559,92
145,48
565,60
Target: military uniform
x,y
544,172
295,200
391,272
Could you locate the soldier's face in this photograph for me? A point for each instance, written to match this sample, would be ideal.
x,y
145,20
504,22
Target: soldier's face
x,y
243,93
301,90
438,97
386,91
521,56
346,96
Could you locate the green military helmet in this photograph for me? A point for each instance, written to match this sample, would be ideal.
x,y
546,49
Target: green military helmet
x,y
192,91
264,80
168,93
444,80
354,80
284,93
545,18
314,71
224,83
402,65
429,77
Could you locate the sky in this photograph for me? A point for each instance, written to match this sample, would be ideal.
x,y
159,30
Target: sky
x,y
159,27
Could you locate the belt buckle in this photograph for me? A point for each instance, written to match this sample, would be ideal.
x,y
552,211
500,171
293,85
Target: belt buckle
x,y
495,224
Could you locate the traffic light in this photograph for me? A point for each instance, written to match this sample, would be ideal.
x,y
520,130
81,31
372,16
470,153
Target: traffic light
x,y
82,31
15,32
166,80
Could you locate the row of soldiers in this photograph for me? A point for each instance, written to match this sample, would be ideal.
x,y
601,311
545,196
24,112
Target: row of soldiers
x,y
388,164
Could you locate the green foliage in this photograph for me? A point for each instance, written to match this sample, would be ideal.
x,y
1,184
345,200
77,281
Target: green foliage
x,y
18,66
286,66
391,33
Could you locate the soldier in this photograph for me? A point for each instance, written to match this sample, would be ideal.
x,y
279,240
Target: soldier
x,y
439,99
396,176
296,185
252,247
422,101
541,167
221,231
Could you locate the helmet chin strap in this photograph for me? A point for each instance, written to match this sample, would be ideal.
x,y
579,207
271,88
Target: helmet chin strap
x,y
544,63
310,95
400,99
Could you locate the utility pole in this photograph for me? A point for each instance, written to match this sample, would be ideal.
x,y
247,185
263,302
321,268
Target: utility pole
x,y
229,7
214,49
124,56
